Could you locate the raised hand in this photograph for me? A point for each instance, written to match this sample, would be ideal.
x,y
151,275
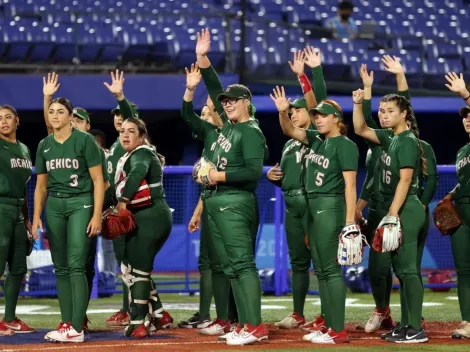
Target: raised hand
x,y
275,173
279,98
297,66
367,78
117,83
193,76
358,96
50,84
457,84
312,57
203,45
392,65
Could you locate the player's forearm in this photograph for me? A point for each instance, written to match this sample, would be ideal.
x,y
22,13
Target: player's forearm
x,y
402,84
40,194
125,107
190,117
319,84
289,129
134,180
400,195
361,204
307,91
214,87
359,121
46,105
367,112
429,189
189,94
350,198
199,208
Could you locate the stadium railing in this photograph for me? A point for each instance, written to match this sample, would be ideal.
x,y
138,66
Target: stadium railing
x,y
175,267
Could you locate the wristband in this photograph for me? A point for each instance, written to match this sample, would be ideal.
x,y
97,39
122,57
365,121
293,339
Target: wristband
x,y
305,83
123,200
466,97
358,103
189,88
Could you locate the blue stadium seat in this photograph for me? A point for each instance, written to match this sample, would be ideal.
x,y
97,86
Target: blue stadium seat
x,y
66,49
19,43
42,44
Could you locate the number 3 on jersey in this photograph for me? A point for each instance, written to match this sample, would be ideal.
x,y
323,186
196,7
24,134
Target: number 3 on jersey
x,y
74,180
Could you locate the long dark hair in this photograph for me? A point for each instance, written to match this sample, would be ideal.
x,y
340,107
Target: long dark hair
x,y
142,130
65,102
404,104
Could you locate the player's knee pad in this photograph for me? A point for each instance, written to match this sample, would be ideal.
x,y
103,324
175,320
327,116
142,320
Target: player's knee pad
x,y
131,275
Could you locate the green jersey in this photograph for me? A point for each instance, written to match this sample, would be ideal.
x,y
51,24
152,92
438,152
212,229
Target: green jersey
x,y
462,165
428,184
15,169
292,165
116,152
327,160
142,164
239,151
67,163
401,151
104,165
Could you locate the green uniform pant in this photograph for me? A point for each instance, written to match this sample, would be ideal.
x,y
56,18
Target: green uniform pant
x,y
233,218
142,245
328,216
67,221
204,265
460,240
119,245
13,248
90,265
296,225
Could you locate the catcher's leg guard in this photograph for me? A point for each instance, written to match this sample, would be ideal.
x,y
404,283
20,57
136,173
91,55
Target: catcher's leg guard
x,y
139,286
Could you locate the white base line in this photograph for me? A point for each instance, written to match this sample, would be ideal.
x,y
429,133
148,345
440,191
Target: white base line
x,y
137,344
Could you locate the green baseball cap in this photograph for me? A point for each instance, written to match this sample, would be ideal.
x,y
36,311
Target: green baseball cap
x,y
325,109
463,112
235,92
82,114
300,103
135,110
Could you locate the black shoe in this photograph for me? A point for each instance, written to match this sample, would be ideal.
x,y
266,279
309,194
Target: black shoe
x,y
191,323
413,336
394,333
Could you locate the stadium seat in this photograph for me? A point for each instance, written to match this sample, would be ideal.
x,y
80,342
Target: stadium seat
x,y
42,44
19,43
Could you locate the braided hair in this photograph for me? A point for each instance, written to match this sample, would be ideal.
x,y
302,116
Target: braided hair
x,y
405,105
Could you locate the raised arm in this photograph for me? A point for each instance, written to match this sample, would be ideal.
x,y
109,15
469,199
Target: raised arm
x,y
360,126
282,105
117,89
313,60
393,65
458,86
50,87
211,79
367,81
297,66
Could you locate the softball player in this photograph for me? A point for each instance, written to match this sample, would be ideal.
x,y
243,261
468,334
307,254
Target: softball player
x,y
139,173
460,239
400,166
331,170
68,167
80,121
239,153
15,173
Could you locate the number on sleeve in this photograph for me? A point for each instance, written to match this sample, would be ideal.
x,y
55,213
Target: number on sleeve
x,y
74,180
387,176
319,178
110,167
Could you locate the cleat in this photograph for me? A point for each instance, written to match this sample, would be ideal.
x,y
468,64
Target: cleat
x,y
292,321
462,332
17,326
375,321
5,331
411,336
140,332
85,325
164,322
65,334
195,322
315,333
217,327
118,319
394,333
331,338
234,331
315,325
204,323
248,335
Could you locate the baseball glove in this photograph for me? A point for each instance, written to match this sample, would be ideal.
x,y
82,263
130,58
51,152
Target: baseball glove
x,y
350,246
201,170
117,223
446,217
388,235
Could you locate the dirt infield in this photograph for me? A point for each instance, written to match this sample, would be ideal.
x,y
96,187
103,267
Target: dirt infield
x,y
191,340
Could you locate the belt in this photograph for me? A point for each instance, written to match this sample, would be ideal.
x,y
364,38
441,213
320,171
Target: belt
x,y
294,192
214,192
319,195
68,195
12,201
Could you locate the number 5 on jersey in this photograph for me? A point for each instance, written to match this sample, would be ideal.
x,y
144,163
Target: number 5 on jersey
x,y
319,178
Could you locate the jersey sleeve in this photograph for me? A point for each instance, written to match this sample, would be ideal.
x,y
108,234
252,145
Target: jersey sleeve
x,y
126,109
383,135
104,166
312,137
253,143
348,155
92,152
319,85
196,124
214,88
40,166
365,194
408,153
432,176
367,111
140,162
